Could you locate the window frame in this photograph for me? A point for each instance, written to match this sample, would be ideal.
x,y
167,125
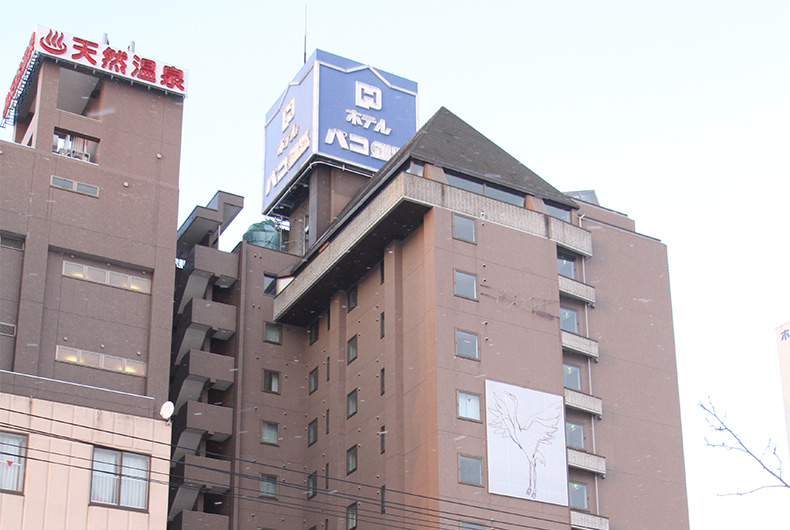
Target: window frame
x,y
459,394
267,479
461,458
312,432
382,327
269,377
382,382
273,326
569,425
312,485
352,459
352,299
119,474
583,487
269,285
352,349
312,332
383,439
565,259
312,381
458,332
460,237
277,430
566,374
459,275
21,457
351,516
352,397
564,320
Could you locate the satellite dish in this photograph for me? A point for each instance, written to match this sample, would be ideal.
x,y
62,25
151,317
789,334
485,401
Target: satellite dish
x,y
167,410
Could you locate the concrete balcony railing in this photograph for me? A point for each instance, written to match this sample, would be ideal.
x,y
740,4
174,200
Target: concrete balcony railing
x,y
584,402
588,521
202,318
578,290
189,520
198,421
199,370
204,266
587,461
577,343
194,475
569,236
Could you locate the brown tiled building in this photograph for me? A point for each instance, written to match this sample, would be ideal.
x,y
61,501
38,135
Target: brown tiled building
x,y
339,373
88,205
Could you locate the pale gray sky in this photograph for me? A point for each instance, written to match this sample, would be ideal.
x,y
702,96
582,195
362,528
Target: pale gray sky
x,y
676,112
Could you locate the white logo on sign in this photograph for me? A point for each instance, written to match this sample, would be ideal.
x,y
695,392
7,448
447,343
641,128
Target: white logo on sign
x,y
288,113
367,96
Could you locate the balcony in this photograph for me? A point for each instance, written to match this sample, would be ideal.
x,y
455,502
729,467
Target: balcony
x,y
577,290
200,370
198,421
194,475
587,461
577,343
205,266
588,521
189,520
583,402
569,236
202,318
206,220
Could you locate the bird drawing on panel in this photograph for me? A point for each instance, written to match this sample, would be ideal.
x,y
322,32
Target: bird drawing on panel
x,y
538,430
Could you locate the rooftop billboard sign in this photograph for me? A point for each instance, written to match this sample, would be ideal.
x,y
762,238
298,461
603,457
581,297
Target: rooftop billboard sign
x,y
121,63
340,109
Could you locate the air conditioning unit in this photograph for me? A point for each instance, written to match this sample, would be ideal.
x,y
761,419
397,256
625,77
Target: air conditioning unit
x,y
80,155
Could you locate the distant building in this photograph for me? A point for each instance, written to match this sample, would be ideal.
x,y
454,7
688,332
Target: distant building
x,y
783,343
89,191
448,343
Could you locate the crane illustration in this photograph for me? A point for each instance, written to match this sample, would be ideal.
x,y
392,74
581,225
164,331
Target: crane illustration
x,y
538,430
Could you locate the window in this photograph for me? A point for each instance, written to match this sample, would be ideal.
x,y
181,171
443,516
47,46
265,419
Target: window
x,y
415,168
328,364
577,495
102,361
271,381
269,284
269,486
352,299
484,188
351,516
312,485
468,406
272,333
351,349
16,243
119,478
382,382
471,526
76,146
381,273
563,214
312,332
381,325
326,475
351,403
463,228
111,278
312,432
79,93
465,285
312,381
466,344
384,499
574,434
569,320
71,185
383,439
12,461
565,266
327,421
572,377
470,470
351,460
270,433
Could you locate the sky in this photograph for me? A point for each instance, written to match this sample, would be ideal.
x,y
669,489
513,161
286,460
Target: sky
x,y
675,112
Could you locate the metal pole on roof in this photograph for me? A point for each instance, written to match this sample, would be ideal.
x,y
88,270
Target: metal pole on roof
x,y
304,60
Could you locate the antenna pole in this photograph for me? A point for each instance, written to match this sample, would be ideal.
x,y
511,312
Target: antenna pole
x,y
305,33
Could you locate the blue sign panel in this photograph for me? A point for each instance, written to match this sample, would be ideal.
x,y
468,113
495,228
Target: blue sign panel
x,y
342,110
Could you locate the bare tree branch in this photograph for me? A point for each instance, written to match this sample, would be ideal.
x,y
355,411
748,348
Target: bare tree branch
x,y
733,442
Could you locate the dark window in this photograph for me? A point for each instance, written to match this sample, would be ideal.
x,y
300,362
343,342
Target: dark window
x,y
351,460
351,516
484,188
75,146
351,403
312,485
382,382
352,298
463,228
351,349
327,421
471,526
326,475
383,499
273,333
501,194
328,364
465,285
572,376
565,267
465,183
381,325
271,381
312,381
312,432
466,344
381,272
270,433
471,470
383,439
269,284
569,320
312,332
563,214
